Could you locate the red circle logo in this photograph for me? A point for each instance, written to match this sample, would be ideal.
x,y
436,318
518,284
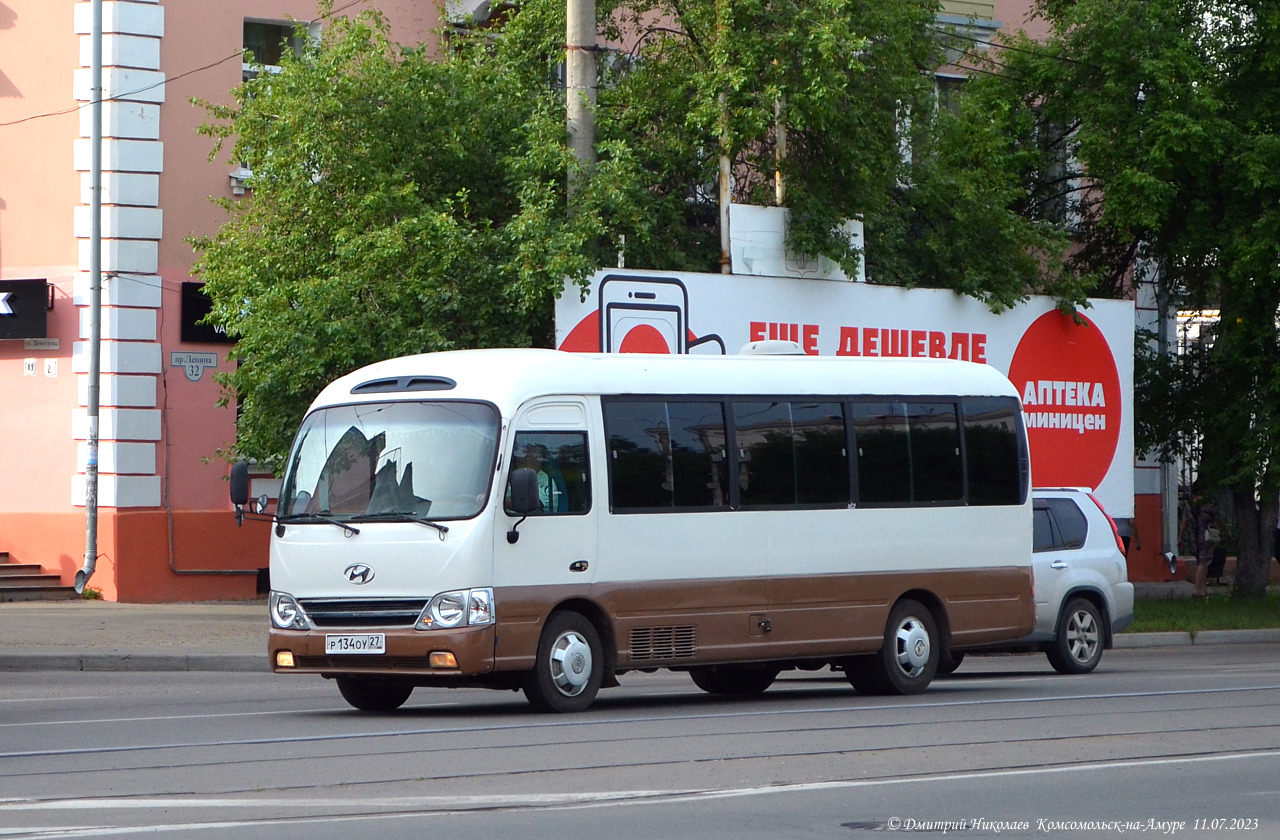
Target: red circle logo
x,y
644,338
1071,400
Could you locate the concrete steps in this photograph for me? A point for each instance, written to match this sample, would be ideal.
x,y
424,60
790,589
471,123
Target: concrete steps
x,y
29,582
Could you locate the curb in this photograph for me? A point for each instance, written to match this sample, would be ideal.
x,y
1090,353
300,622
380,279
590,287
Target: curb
x,y
1203,637
1149,640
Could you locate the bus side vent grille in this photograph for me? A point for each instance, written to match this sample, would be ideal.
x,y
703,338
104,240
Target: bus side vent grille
x,y
649,644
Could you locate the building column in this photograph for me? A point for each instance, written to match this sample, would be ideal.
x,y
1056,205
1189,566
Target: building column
x,y
132,160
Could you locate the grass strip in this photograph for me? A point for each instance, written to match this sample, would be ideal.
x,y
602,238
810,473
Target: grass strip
x,y
1217,612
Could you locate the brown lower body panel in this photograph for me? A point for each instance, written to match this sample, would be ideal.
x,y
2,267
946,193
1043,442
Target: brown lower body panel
x,y
693,622
682,623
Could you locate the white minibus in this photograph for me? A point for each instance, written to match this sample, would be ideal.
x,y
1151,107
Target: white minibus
x,y
550,521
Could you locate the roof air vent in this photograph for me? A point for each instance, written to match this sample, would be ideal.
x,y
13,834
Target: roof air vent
x,y
405,383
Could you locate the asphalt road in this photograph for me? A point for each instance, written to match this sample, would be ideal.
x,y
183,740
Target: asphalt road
x,y
1154,741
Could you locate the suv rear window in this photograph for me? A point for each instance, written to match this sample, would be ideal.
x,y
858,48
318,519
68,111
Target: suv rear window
x,y
1058,524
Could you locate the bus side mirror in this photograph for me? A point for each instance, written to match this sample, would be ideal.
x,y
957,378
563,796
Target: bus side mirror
x,y
239,489
524,492
240,483
522,499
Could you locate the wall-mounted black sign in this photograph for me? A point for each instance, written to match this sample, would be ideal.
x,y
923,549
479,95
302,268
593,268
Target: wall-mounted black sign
x,y
24,309
196,305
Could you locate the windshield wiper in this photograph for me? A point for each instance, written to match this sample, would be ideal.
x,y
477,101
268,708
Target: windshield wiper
x,y
400,516
318,517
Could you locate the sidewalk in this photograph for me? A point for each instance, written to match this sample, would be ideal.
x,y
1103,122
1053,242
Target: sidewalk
x,y
104,636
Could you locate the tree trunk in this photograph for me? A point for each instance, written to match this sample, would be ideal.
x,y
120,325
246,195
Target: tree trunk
x,y
1255,535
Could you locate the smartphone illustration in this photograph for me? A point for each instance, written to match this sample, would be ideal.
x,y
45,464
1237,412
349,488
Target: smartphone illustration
x,y
643,314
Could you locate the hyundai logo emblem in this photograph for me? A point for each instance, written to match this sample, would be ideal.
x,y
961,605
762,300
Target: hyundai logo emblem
x,y
358,573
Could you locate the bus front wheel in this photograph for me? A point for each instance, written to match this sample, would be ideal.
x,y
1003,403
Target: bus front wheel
x,y
909,657
570,665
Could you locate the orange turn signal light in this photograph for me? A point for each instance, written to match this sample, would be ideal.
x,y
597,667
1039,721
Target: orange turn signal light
x,y
443,659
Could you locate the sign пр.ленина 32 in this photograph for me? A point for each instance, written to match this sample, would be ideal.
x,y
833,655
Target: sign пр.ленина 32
x,y
24,308
194,364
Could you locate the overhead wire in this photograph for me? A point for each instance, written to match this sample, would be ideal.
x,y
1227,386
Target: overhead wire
x,y
167,80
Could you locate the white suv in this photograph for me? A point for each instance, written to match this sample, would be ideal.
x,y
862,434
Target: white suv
x,y
1082,591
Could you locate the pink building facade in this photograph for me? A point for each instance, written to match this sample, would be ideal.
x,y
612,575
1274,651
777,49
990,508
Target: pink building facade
x,y
165,529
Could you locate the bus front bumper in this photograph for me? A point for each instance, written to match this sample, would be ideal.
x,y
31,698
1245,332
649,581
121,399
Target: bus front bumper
x,y
464,652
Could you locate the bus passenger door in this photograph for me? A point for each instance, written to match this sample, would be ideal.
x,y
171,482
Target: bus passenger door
x,y
547,556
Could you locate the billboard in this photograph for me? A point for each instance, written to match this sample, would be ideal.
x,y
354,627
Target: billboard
x,y
24,308
1074,371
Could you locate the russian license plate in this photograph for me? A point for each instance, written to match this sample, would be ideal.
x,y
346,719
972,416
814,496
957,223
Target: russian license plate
x,y
355,643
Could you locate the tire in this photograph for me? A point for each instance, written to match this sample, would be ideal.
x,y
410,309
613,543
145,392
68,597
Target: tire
x,y
570,665
1079,640
948,662
908,659
374,695
727,679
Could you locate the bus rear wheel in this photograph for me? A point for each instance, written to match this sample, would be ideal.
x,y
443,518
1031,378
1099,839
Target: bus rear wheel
x,y
570,665
374,695
728,679
908,659
858,671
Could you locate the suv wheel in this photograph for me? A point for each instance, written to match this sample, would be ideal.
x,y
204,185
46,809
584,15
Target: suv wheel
x,y
1077,644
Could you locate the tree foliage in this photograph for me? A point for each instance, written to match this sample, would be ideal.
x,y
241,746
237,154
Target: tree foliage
x,y
1154,125
401,203
406,202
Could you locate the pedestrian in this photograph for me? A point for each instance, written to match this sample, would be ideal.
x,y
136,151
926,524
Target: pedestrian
x,y
1202,530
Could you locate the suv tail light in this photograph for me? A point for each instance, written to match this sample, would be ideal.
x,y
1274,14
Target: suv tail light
x,y
1115,532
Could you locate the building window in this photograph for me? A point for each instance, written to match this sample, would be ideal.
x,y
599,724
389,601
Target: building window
x,y
265,43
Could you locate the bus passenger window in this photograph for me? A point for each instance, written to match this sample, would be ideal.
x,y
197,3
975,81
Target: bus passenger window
x,y
935,452
790,453
908,452
560,461
993,451
666,455
884,455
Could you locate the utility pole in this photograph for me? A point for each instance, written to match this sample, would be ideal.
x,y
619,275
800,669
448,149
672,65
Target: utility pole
x,y
95,301
580,82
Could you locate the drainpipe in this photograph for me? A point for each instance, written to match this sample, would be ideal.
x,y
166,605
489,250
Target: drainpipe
x,y
95,301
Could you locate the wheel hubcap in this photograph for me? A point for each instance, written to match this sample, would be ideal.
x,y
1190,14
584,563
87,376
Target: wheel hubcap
x,y
1082,636
913,647
570,664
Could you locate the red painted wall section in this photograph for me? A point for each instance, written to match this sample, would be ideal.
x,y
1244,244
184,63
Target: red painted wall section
x,y
134,557
160,564
1146,560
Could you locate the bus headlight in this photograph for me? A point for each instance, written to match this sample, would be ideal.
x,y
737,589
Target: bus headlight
x,y
286,613
462,608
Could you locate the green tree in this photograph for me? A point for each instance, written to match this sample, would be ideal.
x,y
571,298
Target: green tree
x,y
400,203
405,202
1153,126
